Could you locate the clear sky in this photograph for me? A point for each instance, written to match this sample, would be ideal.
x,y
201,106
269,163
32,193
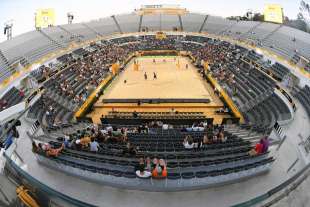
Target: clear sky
x,y
22,11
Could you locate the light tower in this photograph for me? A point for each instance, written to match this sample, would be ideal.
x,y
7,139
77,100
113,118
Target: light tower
x,y
8,29
70,17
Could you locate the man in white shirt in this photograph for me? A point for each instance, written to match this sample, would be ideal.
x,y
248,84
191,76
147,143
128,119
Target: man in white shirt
x,y
94,145
165,126
188,145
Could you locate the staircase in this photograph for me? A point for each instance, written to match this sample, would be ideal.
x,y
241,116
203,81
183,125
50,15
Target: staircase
x,y
203,23
181,23
92,29
117,24
140,23
271,33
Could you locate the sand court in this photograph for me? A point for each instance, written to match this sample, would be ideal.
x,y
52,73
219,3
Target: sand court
x,y
172,82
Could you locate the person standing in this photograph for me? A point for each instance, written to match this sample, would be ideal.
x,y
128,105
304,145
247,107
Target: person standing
x,y
154,76
145,76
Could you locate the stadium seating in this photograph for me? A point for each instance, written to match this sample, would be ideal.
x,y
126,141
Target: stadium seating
x,y
279,71
32,45
254,88
217,25
11,98
303,95
68,82
183,165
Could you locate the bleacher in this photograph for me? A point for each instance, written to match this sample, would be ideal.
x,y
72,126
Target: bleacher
x,y
290,39
218,25
80,30
303,95
104,26
11,98
32,45
279,71
261,31
268,112
241,28
128,22
185,167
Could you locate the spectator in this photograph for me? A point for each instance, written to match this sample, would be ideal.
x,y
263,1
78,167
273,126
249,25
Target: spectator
x,y
206,140
9,140
188,142
265,143
160,169
141,172
148,164
50,152
257,149
35,148
165,127
221,137
94,145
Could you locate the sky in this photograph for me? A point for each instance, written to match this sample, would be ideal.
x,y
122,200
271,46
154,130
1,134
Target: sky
x,y
21,12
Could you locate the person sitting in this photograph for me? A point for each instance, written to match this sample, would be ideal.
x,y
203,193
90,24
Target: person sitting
x,y
134,114
160,169
206,140
257,149
141,172
265,143
221,137
148,166
84,141
49,151
35,148
165,127
188,142
94,145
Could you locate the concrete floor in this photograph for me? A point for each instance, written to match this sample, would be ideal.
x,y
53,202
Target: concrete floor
x,y
7,191
298,198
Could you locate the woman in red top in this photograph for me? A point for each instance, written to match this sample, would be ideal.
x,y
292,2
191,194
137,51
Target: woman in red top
x,y
257,149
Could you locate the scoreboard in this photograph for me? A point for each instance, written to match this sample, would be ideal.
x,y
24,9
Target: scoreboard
x,y
273,13
44,18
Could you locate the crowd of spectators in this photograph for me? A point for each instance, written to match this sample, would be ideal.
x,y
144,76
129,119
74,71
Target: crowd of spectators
x,y
213,134
85,74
